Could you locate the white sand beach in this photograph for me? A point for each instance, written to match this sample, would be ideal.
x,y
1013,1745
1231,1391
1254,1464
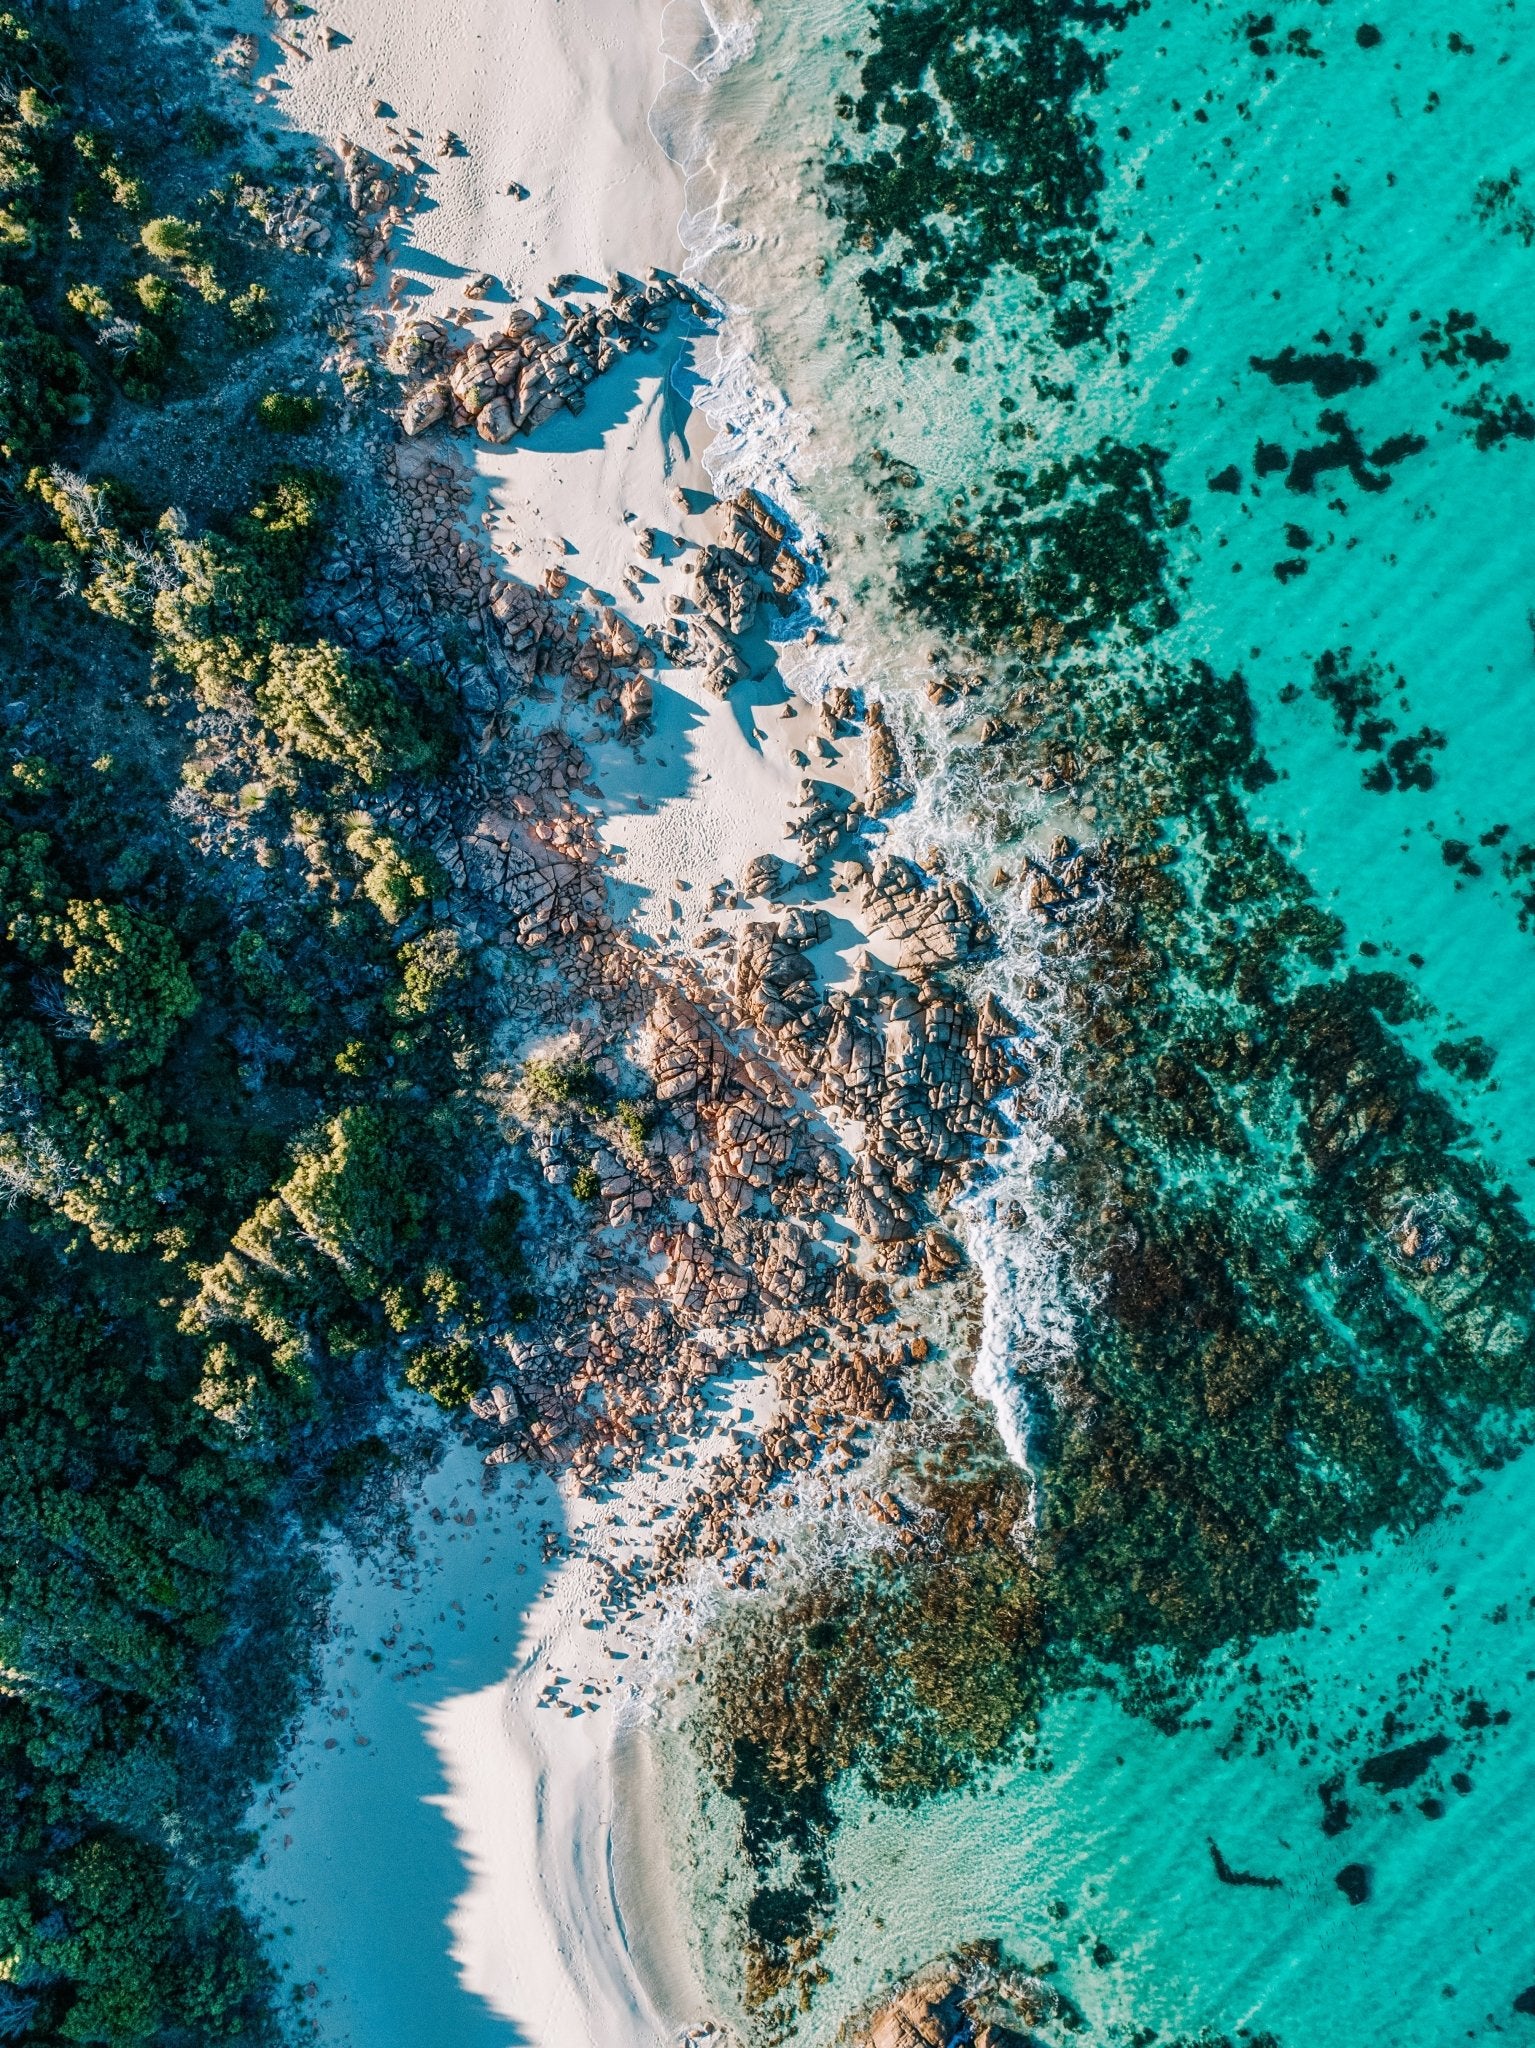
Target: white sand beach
x,y
442,1854
436,1854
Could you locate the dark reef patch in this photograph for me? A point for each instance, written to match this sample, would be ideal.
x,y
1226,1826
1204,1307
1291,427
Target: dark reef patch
x,y
1328,375
976,153
1355,692
1248,1878
1393,1770
1460,341
1343,449
1497,418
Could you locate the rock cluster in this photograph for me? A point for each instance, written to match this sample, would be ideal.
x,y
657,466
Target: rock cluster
x,y
536,860
916,1067
824,814
524,372
1063,880
711,1240
528,635
730,578
974,1998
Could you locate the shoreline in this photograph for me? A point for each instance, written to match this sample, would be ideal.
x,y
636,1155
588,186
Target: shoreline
x,y
820,1091
507,1775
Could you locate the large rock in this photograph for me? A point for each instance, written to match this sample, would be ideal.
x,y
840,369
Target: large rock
x,y
494,421
425,407
765,876
415,345
888,781
473,380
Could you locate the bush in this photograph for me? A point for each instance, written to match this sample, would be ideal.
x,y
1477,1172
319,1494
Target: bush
x,y
398,880
450,1372
253,314
157,295
586,1184
340,709
126,979
90,302
170,240
633,1121
431,967
350,1198
503,1234
562,1084
289,412
239,593
45,388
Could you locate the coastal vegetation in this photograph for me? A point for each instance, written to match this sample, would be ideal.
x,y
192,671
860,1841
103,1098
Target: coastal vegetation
x,y
245,1170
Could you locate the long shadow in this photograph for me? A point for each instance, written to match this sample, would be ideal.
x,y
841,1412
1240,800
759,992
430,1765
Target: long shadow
x,y
630,783
411,258
754,693
612,398
359,1866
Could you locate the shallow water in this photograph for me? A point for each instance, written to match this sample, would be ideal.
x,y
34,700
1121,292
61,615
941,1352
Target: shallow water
x,y
1317,187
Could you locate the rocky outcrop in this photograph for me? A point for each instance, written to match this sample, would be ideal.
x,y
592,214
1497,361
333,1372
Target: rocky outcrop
x,y
888,784
529,368
731,577
936,926
974,1999
1060,881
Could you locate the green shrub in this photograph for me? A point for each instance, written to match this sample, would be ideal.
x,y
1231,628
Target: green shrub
x,y
171,240
431,968
158,296
208,132
124,190
450,1372
238,594
562,1084
633,1120
45,388
503,1233
126,980
586,1184
90,302
340,709
399,879
289,412
350,1198
253,314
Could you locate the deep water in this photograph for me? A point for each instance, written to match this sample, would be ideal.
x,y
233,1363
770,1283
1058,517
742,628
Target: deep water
x,y
1288,260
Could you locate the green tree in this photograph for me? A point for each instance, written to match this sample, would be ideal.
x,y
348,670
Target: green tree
x,y
45,388
126,980
336,708
432,966
351,1198
450,1371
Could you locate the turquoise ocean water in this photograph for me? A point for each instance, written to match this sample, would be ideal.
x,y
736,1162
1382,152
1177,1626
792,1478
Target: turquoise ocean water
x,y
1319,230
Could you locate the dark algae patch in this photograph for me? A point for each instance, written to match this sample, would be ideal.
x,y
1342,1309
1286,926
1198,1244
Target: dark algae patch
x,y
1329,375
972,151
1393,1770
